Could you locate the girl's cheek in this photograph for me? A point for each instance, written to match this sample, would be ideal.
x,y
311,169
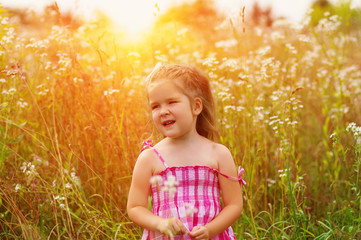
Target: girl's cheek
x,y
155,116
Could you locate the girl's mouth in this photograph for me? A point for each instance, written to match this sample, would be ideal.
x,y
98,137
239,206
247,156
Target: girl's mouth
x,y
168,123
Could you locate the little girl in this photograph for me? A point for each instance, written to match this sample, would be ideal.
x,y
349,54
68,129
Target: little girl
x,y
186,171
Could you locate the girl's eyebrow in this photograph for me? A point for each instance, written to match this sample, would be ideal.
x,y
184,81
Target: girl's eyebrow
x,y
152,103
172,98
167,99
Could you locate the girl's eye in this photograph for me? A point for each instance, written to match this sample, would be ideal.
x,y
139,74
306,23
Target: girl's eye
x,y
155,107
172,102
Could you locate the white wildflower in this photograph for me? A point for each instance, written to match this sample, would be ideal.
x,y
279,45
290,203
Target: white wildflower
x,y
276,36
11,91
304,38
154,180
229,107
110,91
226,43
171,182
21,103
283,172
240,108
74,177
76,80
210,61
356,131
190,210
182,31
351,127
134,54
263,51
17,187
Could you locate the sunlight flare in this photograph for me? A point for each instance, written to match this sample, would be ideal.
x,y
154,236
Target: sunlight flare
x,y
133,16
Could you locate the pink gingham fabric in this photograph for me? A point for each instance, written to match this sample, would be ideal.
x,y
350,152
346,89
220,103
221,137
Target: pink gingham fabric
x,y
198,188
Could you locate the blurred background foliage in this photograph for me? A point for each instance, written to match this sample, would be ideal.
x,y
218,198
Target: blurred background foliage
x,y
73,116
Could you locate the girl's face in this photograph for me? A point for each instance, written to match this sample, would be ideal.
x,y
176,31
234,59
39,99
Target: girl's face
x,y
173,113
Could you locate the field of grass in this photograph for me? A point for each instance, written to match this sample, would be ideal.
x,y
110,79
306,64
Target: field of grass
x,y
73,116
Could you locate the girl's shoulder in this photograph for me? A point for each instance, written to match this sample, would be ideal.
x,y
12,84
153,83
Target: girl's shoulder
x,y
147,158
221,155
219,152
150,158
219,149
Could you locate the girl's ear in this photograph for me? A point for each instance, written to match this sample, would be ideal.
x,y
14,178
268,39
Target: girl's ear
x,y
197,106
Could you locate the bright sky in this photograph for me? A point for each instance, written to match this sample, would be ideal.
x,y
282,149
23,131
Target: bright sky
x,y
139,14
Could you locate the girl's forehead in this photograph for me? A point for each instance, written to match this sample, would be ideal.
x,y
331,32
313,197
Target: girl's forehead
x,y
163,84
160,90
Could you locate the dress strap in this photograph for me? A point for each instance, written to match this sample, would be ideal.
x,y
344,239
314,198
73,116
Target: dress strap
x,y
149,143
239,178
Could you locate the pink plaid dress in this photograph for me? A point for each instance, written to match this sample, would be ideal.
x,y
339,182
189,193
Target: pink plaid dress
x,y
195,201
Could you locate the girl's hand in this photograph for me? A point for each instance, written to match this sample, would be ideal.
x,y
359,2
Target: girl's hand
x,y
171,227
199,233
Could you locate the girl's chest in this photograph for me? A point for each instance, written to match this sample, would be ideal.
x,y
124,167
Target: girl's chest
x,y
180,160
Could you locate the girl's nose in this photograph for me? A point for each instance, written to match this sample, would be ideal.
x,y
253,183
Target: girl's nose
x,y
164,111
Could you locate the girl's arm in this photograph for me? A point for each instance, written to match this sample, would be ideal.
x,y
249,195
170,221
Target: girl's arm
x,y
232,198
138,199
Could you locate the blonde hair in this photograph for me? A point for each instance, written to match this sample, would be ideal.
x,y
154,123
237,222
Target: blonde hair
x,y
193,83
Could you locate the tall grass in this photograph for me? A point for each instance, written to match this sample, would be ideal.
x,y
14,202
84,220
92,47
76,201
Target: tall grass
x,y
73,116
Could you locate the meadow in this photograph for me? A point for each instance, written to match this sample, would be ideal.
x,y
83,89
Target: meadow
x,y
73,115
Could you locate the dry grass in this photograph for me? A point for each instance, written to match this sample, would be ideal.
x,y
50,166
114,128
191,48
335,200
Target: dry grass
x,y
73,116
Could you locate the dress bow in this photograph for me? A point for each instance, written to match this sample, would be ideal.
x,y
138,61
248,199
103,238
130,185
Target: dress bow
x,y
147,143
240,179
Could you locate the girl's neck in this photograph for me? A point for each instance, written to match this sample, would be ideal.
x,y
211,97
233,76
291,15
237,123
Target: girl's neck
x,y
189,138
